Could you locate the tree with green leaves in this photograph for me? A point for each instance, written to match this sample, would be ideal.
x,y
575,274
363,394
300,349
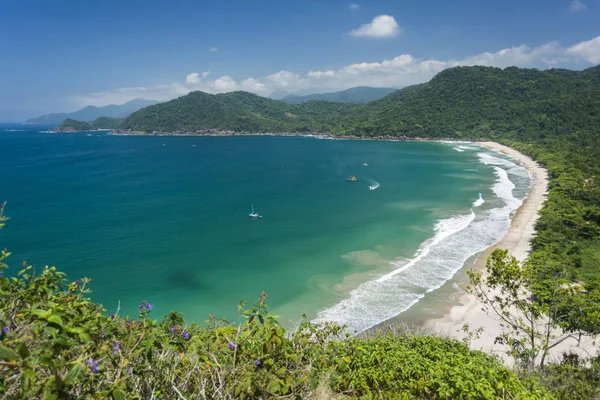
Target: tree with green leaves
x,y
533,326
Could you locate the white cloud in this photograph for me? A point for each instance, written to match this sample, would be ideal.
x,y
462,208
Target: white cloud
x,y
577,5
194,78
225,84
354,6
588,50
213,49
321,74
382,26
399,71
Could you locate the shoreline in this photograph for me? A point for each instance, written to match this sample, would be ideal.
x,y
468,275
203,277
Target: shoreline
x,y
467,308
220,133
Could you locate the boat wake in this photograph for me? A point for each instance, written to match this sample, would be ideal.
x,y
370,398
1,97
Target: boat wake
x,y
455,240
374,184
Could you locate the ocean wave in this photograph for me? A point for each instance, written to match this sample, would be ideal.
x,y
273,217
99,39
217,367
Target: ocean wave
x,y
510,166
479,201
456,239
458,149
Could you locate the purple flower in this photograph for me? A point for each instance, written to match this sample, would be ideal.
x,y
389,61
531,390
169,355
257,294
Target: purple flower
x,y
145,306
148,306
5,330
231,346
130,370
186,335
116,347
93,364
173,330
258,363
111,316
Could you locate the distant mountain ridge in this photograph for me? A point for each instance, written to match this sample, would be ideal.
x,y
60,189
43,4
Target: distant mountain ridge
x,y
359,94
90,113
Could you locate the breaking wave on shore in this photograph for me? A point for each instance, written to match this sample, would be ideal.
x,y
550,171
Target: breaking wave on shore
x,y
455,240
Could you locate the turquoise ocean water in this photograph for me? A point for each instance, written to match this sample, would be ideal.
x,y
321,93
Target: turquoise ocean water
x,y
165,219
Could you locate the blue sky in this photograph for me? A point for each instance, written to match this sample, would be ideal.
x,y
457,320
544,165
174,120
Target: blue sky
x,y
62,55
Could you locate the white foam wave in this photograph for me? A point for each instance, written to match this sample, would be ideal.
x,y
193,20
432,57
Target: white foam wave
x,y
511,167
14,130
479,201
458,149
456,239
374,184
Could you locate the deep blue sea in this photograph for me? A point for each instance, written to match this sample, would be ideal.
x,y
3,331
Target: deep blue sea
x,y
165,219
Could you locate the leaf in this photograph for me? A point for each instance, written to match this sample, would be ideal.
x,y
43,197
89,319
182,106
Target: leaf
x,y
84,337
7,354
22,350
72,374
274,387
55,319
118,394
26,380
51,330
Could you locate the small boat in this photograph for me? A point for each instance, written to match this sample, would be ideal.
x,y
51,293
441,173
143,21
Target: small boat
x,y
351,179
254,214
365,164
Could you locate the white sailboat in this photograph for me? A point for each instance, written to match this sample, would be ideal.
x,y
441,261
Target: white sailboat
x,y
254,214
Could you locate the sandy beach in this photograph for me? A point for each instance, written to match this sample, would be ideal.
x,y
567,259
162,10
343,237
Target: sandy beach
x,y
468,309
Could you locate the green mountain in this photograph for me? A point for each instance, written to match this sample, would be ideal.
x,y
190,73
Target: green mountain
x,y
106,123
71,125
236,111
359,94
90,113
473,102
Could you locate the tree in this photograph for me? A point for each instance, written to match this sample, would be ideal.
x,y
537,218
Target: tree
x,y
532,326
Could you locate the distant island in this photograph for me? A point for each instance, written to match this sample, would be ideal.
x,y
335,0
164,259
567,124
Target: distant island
x,y
100,123
90,113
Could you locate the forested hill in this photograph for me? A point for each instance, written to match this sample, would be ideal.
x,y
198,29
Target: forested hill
x,y
71,125
472,102
237,111
462,102
359,94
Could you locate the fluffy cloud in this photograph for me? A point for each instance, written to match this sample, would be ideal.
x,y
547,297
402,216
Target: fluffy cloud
x,y
321,74
382,26
194,78
399,71
577,5
588,51
354,6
